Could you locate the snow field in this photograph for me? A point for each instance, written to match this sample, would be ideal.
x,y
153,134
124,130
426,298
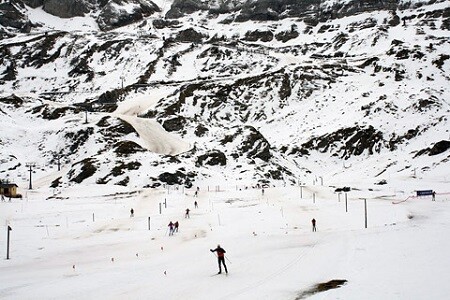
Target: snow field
x,y
271,250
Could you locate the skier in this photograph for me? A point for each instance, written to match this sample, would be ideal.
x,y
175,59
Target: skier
x,y
220,258
170,228
313,221
195,204
176,226
131,213
433,196
187,213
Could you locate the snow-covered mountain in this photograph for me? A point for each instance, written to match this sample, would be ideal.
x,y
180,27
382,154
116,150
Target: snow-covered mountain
x,y
139,93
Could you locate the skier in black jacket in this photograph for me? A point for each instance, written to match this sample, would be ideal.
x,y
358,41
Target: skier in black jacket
x,y
220,257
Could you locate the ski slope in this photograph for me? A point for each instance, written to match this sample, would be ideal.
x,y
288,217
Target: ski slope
x,y
81,243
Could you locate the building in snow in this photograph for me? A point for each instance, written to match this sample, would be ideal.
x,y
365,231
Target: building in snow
x,y
9,190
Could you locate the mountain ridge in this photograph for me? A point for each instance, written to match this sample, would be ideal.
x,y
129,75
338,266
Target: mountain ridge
x,y
279,101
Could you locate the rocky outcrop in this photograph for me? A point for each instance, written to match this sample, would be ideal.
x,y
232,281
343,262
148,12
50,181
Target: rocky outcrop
x,y
248,142
189,36
438,148
112,14
68,8
212,158
181,8
117,13
33,3
11,16
346,142
258,35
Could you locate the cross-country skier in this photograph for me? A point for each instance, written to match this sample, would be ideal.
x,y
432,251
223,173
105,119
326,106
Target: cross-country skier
x,y
313,221
220,257
176,227
170,228
187,213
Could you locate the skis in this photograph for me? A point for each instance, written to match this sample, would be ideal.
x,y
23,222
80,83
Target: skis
x,y
219,274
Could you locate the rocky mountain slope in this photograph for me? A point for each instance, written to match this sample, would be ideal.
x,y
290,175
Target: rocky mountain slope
x,y
240,91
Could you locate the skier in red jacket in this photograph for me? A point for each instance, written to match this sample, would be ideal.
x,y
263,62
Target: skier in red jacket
x,y
220,257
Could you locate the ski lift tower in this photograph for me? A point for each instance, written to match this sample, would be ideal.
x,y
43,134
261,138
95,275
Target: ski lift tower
x,y
30,167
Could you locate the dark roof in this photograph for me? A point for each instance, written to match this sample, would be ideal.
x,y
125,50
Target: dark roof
x,y
8,185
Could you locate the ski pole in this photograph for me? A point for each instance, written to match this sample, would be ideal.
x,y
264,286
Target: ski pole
x,y
228,259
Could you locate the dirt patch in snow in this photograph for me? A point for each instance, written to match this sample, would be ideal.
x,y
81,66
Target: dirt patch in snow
x,y
321,287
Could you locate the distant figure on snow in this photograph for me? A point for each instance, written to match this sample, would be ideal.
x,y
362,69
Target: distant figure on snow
x,y
171,226
313,221
433,196
176,226
131,213
195,204
187,213
220,258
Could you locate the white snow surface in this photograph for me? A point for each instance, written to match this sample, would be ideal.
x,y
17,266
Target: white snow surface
x,y
81,243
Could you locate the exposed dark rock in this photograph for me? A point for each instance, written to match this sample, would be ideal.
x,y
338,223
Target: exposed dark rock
x,y
395,140
68,8
212,158
115,128
111,97
122,167
78,139
56,113
285,36
321,287
439,62
251,143
258,35
112,16
177,178
11,17
82,68
12,100
189,36
163,23
174,124
33,3
126,148
439,147
285,89
181,8
344,189
123,182
56,183
394,20
87,167
348,141
200,130
10,72
426,104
